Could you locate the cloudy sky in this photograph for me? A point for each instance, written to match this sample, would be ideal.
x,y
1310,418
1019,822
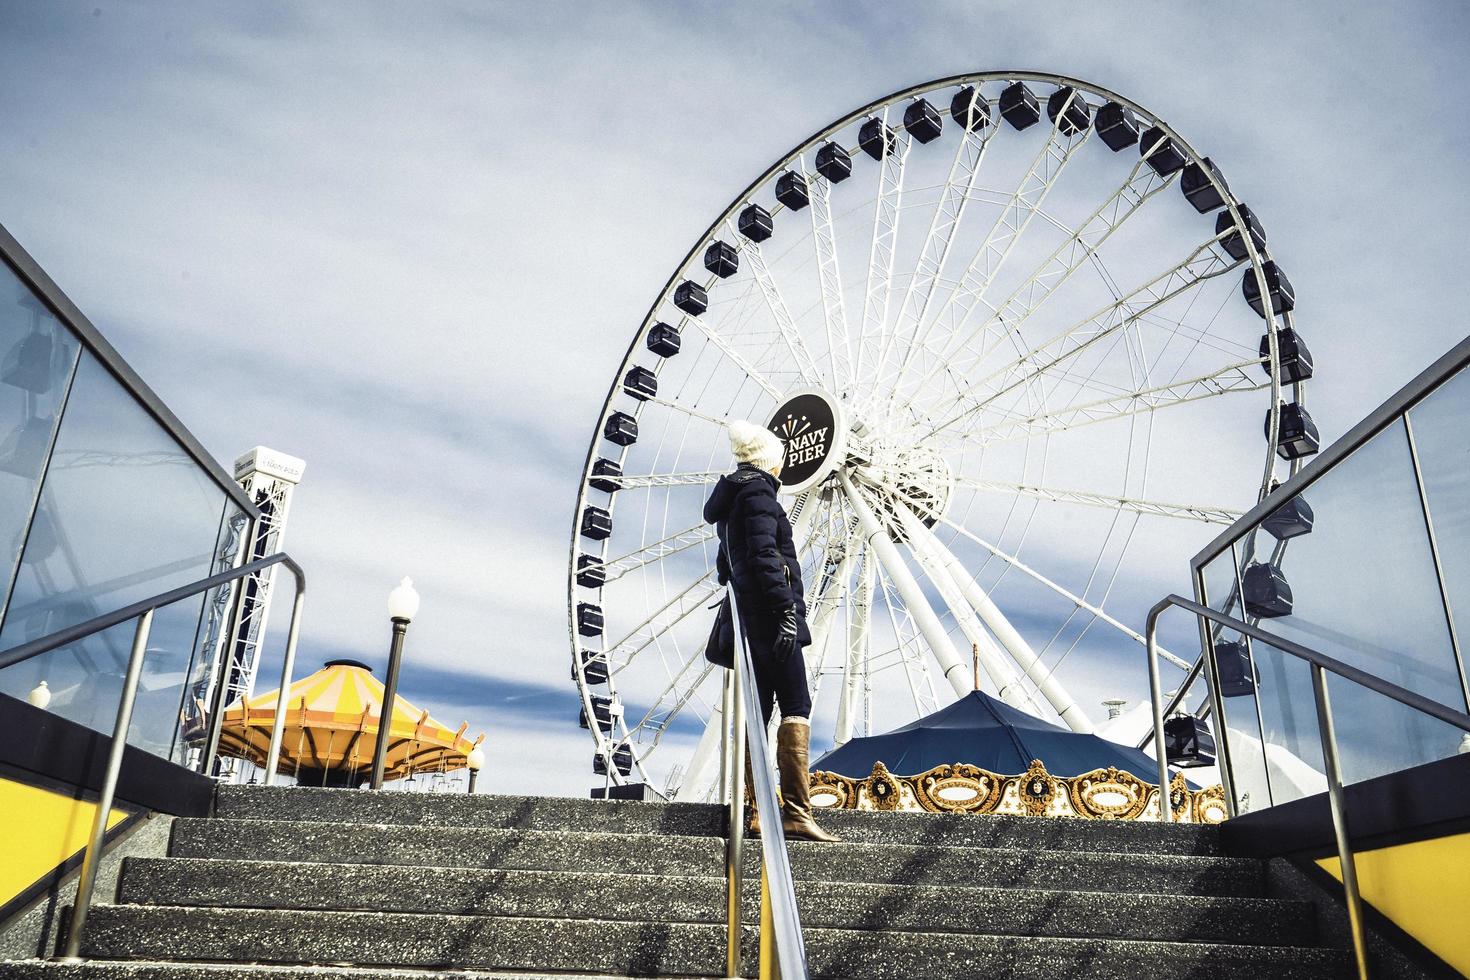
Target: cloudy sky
x,y
409,242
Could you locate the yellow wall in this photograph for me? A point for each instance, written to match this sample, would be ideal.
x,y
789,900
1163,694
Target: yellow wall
x,y
40,829
1424,887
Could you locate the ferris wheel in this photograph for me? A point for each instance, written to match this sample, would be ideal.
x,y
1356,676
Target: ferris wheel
x,y
1018,337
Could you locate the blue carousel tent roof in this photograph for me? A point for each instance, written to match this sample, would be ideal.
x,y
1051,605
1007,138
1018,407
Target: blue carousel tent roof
x,y
981,731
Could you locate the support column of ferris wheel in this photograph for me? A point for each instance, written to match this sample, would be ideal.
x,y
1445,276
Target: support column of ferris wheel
x,y
967,602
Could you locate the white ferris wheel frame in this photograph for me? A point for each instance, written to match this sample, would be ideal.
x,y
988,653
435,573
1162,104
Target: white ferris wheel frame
x,y
883,572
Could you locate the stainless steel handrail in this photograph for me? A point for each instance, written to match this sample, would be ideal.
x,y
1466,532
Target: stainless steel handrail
x,y
1326,730
143,611
782,950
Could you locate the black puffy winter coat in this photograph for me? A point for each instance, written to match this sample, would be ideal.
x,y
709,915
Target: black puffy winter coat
x,y
756,534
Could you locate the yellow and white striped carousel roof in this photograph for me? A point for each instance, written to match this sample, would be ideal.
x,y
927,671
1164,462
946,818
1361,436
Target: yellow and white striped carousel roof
x,y
332,720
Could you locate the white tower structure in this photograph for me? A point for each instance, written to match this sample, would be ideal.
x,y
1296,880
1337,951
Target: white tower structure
x,y
269,478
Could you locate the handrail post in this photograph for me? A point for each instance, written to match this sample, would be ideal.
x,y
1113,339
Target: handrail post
x,y
734,755
1161,749
88,880
1328,732
770,963
278,723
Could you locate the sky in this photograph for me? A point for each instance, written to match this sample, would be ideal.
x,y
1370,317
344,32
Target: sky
x,y
410,243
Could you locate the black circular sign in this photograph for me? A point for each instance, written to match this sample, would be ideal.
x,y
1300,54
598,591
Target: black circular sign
x,y
810,426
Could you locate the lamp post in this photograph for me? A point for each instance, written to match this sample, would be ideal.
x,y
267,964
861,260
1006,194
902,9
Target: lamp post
x,y
475,761
403,605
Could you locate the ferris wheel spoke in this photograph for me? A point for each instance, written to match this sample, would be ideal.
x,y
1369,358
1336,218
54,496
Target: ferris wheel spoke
x,y
997,623
886,214
690,599
956,193
1225,381
1015,217
1080,248
909,653
852,699
779,310
1207,515
1201,266
635,481
1007,681
829,276
722,344
655,551
688,410
821,614
674,697
1060,590
952,666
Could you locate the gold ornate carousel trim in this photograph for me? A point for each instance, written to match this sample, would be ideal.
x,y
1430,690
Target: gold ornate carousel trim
x,y
1102,794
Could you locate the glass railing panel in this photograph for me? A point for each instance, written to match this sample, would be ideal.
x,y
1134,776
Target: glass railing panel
x,y
1377,735
1438,427
1291,742
37,356
1360,584
1241,726
124,513
84,679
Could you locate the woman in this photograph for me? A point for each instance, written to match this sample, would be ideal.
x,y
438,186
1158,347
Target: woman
x,y
766,577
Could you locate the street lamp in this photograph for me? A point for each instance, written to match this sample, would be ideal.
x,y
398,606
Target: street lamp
x,y
403,605
475,761
40,696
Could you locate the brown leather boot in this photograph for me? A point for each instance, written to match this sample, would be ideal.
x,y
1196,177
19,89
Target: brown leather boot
x,y
793,743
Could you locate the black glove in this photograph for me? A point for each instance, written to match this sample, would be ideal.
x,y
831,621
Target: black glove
x,y
785,644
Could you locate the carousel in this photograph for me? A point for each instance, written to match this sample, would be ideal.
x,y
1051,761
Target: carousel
x,y
331,726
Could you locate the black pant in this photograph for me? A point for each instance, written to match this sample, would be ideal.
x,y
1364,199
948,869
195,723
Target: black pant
x,y
776,681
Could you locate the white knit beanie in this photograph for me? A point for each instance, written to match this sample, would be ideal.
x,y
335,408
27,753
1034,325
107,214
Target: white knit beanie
x,y
757,445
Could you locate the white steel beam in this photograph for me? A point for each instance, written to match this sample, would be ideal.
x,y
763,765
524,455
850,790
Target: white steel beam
x,y
956,669
1203,264
886,215
1007,682
1232,378
969,156
1065,593
829,277
852,701
756,262
1208,515
1025,201
1010,638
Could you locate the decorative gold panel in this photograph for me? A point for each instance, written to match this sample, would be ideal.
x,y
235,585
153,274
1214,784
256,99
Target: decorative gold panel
x,y
1103,794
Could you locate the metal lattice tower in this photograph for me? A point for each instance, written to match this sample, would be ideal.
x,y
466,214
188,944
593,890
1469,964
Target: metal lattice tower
x,y
269,478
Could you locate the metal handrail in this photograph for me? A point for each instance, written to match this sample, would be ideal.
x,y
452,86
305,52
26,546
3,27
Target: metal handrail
x,y
782,950
1320,664
143,610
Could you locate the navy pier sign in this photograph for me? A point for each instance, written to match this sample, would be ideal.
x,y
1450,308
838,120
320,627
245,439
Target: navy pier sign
x,y
811,424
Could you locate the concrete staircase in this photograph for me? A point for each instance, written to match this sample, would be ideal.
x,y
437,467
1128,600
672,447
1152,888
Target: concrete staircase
x,y
337,884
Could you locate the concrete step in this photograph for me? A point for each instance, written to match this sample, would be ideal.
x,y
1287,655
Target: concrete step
x,y
531,850
650,948
1008,867
143,970
459,847
701,819
991,830
480,810
632,948
553,894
